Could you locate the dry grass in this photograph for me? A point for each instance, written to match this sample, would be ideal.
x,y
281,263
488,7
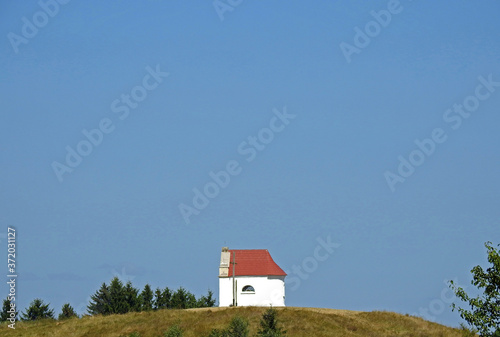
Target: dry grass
x,y
300,322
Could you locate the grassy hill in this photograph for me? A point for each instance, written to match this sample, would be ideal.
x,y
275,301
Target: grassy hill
x,y
300,322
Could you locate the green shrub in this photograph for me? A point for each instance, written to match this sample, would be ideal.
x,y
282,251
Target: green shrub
x,y
173,331
238,327
269,324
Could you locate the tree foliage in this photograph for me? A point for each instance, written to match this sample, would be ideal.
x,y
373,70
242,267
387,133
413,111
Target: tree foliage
x,y
206,301
183,299
132,300
269,324
67,311
238,327
147,298
7,310
173,331
484,313
100,301
119,299
112,299
37,310
162,299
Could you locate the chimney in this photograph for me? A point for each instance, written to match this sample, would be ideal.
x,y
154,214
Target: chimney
x,y
225,258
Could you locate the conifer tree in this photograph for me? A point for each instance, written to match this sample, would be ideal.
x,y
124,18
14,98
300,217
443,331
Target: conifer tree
x,y
67,311
162,299
181,298
191,301
147,298
119,303
269,324
206,301
173,331
157,301
100,302
7,311
132,299
114,299
167,298
238,327
37,310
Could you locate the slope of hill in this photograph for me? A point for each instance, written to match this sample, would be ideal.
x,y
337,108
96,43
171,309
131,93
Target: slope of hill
x,y
299,322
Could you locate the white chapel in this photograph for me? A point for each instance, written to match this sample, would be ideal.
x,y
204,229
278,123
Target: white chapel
x,y
250,277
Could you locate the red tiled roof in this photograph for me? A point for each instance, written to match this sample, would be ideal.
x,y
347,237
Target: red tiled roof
x,y
254,262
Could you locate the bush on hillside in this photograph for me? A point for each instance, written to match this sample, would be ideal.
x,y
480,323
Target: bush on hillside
x,y
237,328
269,324
173,331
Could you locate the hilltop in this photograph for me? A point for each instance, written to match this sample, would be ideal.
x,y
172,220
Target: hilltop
x,y
300,322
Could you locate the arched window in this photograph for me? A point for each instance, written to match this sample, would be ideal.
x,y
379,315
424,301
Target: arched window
x,y
248,289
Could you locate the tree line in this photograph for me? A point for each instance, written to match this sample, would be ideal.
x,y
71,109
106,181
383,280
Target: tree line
x,y
115,298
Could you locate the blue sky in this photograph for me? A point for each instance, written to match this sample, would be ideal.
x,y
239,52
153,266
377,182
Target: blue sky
x,y
354,119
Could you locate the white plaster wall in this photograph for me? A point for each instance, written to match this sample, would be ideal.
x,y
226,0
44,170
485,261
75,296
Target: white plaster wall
x,y
269,290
